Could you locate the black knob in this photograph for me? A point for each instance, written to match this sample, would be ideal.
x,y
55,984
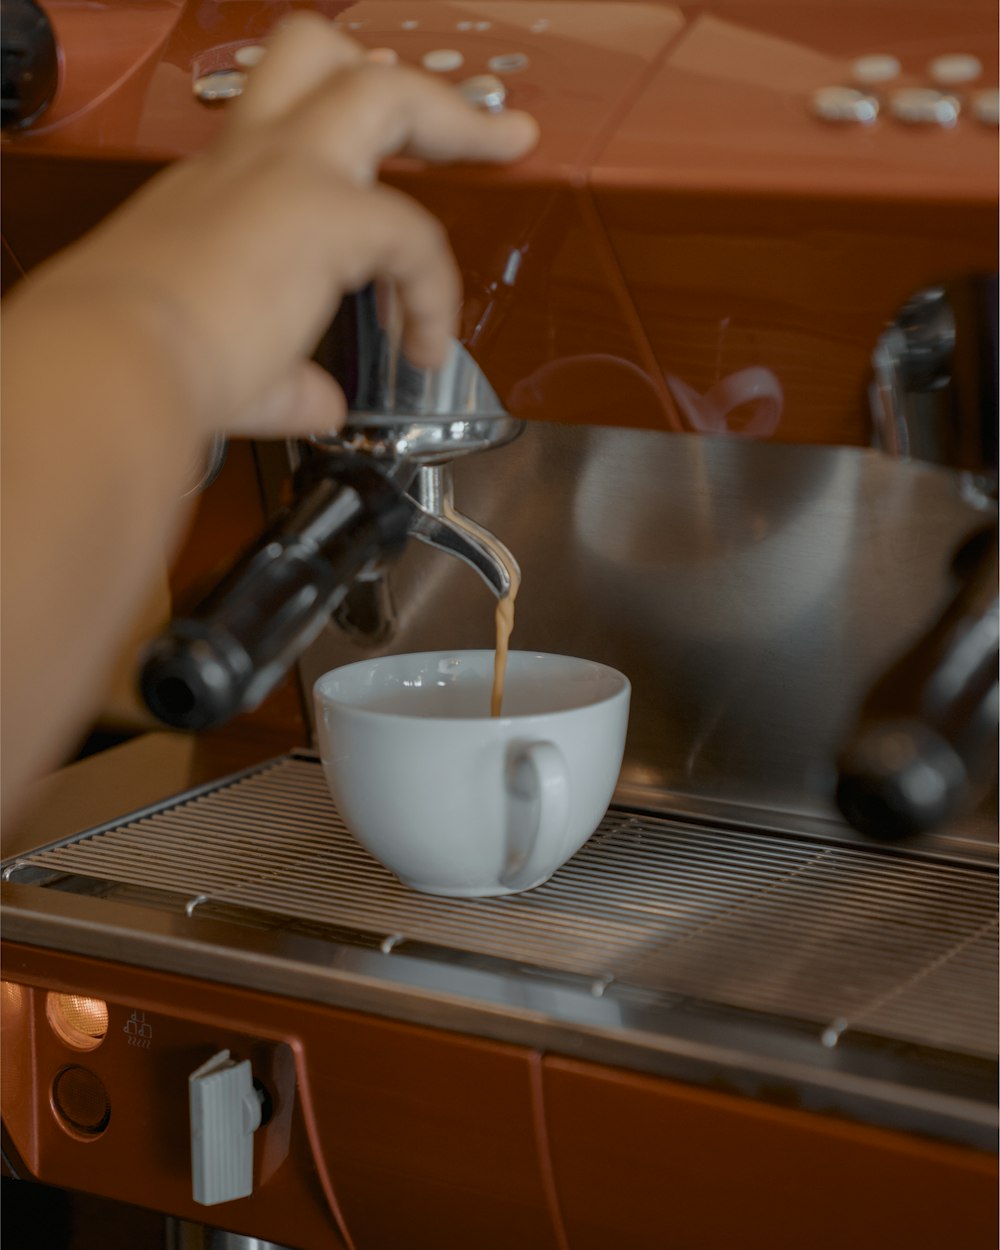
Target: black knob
x,y
928,726
29,63
899,778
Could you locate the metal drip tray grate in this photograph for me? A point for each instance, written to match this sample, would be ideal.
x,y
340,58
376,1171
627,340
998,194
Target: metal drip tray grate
x,y
844,939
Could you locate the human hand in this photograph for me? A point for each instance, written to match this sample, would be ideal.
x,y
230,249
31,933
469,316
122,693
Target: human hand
x,y
236,259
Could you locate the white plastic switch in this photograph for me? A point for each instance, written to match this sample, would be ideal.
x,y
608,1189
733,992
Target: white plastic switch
x,y
225,1113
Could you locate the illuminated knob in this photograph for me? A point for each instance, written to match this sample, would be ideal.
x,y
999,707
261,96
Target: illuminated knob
x,y
225,1113
220,85
845,104
442,60
875,68
986,106
955,68
923,106
249,55
485,91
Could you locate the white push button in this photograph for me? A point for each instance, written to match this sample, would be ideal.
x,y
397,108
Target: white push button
x,y
222,84
986,107
225,1113
441,60
869,70
507,63
844,104
923,106
485,91
249,55
949,70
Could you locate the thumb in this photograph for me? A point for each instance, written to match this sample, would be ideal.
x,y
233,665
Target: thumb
x,y
306,400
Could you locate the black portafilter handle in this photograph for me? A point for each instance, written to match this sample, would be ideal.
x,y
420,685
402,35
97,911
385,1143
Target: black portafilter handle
x,y
928,728
226,655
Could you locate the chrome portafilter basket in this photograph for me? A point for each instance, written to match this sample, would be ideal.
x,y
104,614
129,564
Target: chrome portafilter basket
x,y
358,496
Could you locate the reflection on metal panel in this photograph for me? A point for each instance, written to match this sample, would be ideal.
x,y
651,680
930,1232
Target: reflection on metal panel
x,y
751,593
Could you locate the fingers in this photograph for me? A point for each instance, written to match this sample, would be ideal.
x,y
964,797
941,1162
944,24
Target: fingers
x,y
369,111
356,108
395,240
304,401
304,54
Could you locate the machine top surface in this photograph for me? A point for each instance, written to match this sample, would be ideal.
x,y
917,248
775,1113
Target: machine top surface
x,y
692,96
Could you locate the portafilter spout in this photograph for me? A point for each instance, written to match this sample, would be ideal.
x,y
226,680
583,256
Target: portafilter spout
x,y
359,494
428,417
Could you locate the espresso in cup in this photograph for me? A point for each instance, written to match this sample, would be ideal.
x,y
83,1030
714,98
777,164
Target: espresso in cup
x,y
454,800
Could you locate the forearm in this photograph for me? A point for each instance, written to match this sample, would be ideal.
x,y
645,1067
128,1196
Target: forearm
x,y
98,445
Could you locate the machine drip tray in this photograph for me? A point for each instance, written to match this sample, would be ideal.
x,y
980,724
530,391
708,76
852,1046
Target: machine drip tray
x,y
664,944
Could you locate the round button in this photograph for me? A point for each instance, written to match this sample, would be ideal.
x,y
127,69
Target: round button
x,y
986,107
542,24
876,68
923,106
250,55
81,1100
959,67
221,84
508,63
441,60
845,104
485,91
411,24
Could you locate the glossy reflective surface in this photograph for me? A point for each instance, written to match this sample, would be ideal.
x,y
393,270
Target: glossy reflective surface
x,y
690,247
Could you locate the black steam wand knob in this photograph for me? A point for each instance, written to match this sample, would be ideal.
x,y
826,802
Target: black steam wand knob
x,y
928,727
226,655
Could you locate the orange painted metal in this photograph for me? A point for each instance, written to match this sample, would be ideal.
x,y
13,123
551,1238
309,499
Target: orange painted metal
x,y
382,1134
631,1155
685,221
385,1134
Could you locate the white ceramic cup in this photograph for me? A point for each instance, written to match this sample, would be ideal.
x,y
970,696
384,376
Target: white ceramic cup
x,y
457,802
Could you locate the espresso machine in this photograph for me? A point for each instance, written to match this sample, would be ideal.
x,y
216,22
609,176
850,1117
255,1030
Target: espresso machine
x,y
725,393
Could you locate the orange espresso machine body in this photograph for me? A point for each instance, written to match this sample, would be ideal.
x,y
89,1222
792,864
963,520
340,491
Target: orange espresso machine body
x,y
728,1021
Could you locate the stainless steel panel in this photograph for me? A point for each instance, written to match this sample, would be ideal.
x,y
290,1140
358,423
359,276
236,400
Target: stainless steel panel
x,y
750,592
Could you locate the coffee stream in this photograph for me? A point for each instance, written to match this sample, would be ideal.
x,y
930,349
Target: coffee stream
x,y
504,625
505,605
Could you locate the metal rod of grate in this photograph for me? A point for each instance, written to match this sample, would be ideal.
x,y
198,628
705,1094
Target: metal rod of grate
x,y
842,937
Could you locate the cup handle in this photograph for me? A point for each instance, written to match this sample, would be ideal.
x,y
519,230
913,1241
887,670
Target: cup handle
x,y
538,812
